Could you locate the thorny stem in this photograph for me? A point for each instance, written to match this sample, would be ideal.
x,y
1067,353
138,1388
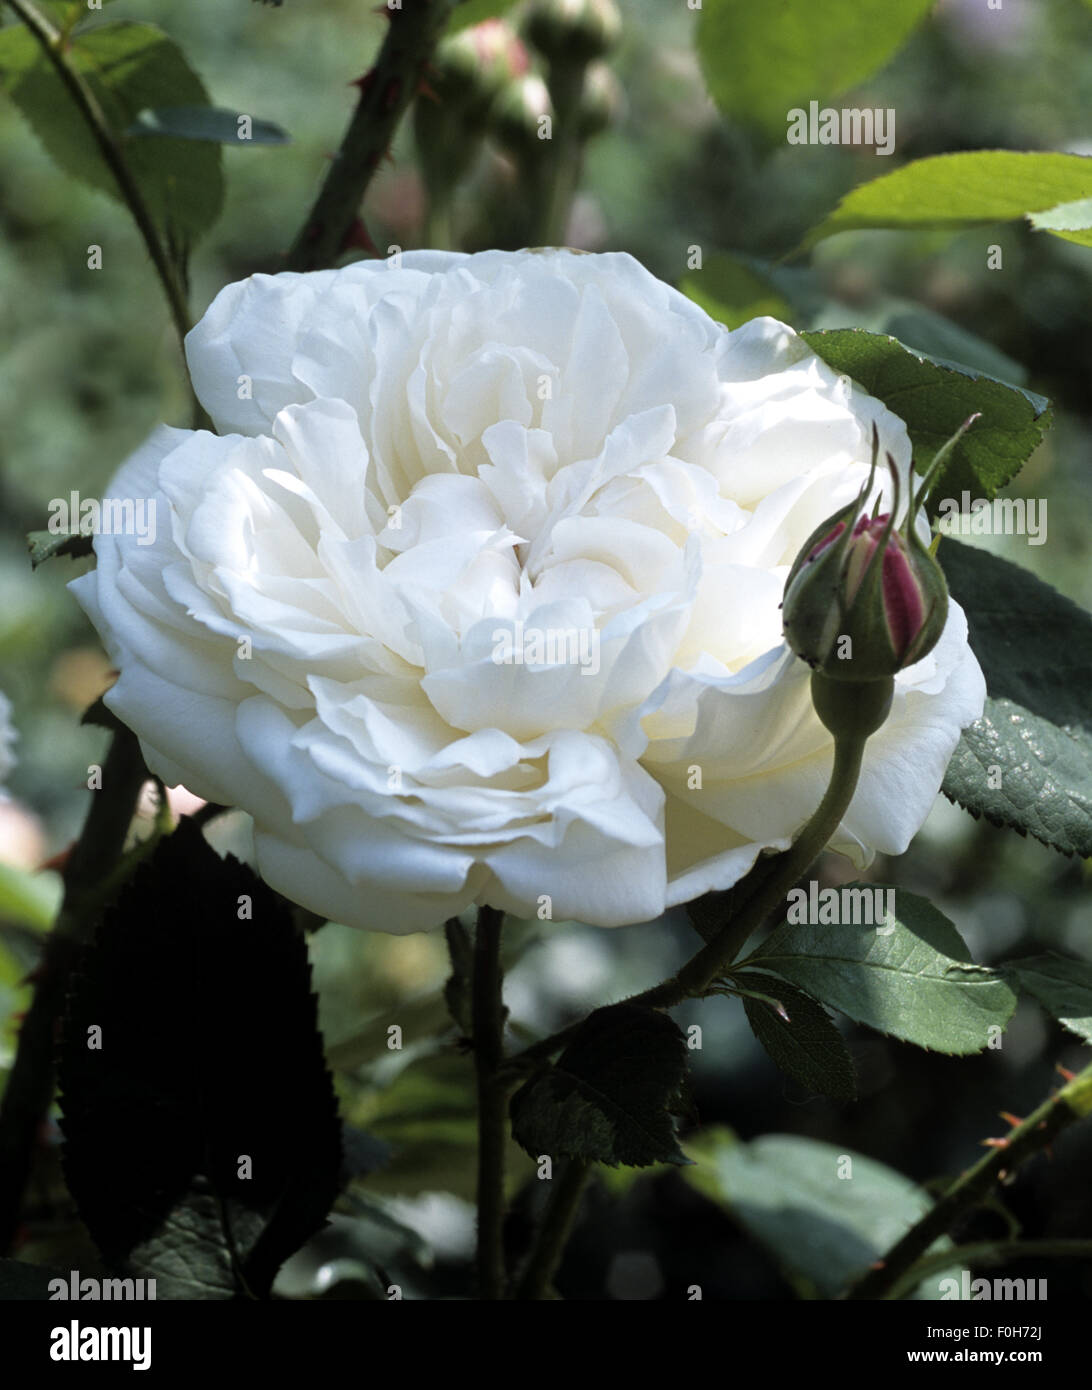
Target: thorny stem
x,y
1073,1102
89,867
487,1013
385,93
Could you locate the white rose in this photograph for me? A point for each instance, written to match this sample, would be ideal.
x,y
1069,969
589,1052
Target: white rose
x,y
431,470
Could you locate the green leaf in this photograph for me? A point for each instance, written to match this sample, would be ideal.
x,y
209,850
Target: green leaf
x,y
732,294
1027,763
29,900
128,67
806,1044
1062,986
823,1211
207,123
760,60
475,11
202,1142
611,1093
1070,221
910,978
970,189
935,398
43,545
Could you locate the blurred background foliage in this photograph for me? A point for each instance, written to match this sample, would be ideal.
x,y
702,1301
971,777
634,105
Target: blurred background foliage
x,y
88,366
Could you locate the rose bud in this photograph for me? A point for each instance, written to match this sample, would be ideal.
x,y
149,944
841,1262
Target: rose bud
x,y
516,117
573,31
864,600
470,68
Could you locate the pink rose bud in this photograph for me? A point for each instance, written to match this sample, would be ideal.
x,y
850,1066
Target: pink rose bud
x,y
863,600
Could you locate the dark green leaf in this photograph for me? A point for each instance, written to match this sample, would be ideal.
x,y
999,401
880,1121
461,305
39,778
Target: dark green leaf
x,y
806,1044
43,545
1027,763
824,1212
1062,986
972,188
208,123
610,1097
209,1055
761,59
935,398
128,67
909,977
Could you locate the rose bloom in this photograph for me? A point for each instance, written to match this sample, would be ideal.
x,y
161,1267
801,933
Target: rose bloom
x,y
476,597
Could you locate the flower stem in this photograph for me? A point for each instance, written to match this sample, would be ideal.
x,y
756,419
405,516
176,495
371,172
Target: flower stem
x,y
1072,1102
988,1253
769,881
385,93
52,42
90,864
488,1016
554,1232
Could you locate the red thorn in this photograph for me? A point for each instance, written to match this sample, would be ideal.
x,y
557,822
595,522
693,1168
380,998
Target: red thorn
x,y
58,861
364,81
995,1143
424,90
1013,1120
1065,1073
357,236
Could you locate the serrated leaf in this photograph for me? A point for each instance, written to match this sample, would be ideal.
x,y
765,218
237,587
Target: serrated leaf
x,y
610,1096
806,1044
209,1055
128,67
972,188
824,1212
909,978
44,545
1027,763
935,398
1062,986
212,123
731,293
760,60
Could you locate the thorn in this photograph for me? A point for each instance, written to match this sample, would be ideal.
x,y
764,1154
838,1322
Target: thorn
x,y
364,81
1013,1120
995,1143
424,90
58,861
1065,1073
878,1264
357,236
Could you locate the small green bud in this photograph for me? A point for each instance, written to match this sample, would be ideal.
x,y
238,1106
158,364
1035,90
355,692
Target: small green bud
x,y
521,117
600,101
574,31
